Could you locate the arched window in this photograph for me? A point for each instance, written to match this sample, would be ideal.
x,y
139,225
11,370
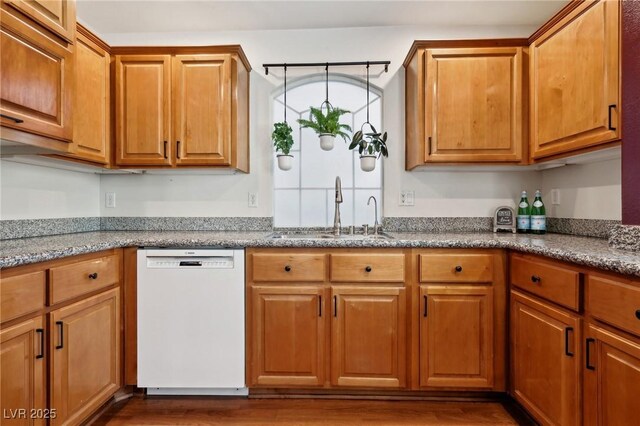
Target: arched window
x,y
304,195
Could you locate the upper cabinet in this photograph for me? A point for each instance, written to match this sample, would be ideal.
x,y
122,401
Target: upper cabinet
x,y
58,16
37,82
464,105
176,109
575,81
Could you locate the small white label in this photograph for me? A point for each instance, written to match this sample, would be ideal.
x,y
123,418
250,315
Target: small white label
x,y
537,203
538,223
522,205
524,222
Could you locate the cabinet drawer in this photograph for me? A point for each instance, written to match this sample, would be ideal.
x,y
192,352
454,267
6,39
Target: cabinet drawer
x,y
614,302
552,282
21,295
288,267
68,281
367,268
445,268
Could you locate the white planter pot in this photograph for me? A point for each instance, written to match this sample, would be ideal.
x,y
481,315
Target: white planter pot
x,y
285,162
367,162
326,141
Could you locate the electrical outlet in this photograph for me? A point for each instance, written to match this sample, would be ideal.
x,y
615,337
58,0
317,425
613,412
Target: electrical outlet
x,y
407,198
555,197
110,200
253,200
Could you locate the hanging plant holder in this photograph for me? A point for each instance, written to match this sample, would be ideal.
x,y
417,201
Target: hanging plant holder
x,y
282,135
371,145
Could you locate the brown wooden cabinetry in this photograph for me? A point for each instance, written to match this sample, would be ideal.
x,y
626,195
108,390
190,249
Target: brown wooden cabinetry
x,y
58,16
368,340
288,335
36,87
464,104
575,81
545,360
182,107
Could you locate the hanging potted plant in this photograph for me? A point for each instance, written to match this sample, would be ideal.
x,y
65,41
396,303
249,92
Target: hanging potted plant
x,y
283,141
327,126
370,146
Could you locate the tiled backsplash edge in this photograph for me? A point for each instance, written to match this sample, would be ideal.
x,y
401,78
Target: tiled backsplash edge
x,y
625,237
25,228
437,224
186,223
598,228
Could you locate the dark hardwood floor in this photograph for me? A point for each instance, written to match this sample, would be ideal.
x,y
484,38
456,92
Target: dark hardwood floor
x,y
213,411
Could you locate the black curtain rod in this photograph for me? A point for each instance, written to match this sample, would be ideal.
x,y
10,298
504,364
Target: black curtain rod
x,y
325,64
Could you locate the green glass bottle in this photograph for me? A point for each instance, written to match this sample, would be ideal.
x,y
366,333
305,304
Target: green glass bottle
x,y
538,215
524,214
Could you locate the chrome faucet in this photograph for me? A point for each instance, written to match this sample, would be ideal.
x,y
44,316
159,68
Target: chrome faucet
x,y
336,216
376,226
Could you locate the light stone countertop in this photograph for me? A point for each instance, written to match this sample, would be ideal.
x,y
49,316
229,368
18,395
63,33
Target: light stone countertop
x,y
586,251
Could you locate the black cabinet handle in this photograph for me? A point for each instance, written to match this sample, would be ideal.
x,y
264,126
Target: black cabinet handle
x,y
165,150
429,143
178,150
535,279
60,325
424,314
610,108
319,306
566,341
588,354
15,120
335,306
40,331
93,276
458,268
638,314
287,268
368,268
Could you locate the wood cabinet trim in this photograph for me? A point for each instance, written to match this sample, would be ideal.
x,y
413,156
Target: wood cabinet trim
x,y
463,44
183,50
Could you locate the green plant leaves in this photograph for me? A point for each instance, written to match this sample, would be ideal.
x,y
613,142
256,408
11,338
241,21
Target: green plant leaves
x,y
282,137
370,143
328,123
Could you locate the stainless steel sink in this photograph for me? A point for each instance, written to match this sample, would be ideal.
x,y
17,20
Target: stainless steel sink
x,y
316,235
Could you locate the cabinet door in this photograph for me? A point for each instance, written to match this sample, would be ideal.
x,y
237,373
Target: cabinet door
x,y
85,356
574,81
611,379
474,105
368,337
23,372
545,360
288,335
91,125
143,110
58,16
202,109
36,81
456,336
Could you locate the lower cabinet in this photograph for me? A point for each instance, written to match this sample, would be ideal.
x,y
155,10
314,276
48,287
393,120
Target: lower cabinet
x,y
288,335
85,356
456,336
611,378
545,360
22,363
368,337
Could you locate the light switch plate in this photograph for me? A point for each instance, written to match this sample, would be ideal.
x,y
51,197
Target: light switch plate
x,y
110,200
253,200
407,198
555,197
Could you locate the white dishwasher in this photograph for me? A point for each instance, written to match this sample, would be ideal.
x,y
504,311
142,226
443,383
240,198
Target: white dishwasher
x,y
191,321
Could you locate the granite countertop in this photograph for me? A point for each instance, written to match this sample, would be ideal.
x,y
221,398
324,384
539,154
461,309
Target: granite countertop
x,y
586,251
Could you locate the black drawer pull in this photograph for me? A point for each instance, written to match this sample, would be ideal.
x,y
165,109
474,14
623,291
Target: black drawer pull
x,y
15,120
368,268
165,150
566,341
610,125
335,306
535,279
287,268
425,306
638,314
93,276
458,268
319,306
178,150
60,325
40,331
588,354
